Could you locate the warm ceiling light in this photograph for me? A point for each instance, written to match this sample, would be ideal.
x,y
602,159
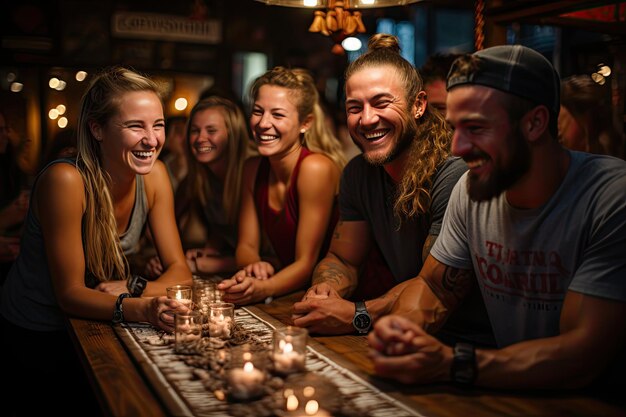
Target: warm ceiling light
x,y
338,18
16,87
180,104
604,70
348,4
351,44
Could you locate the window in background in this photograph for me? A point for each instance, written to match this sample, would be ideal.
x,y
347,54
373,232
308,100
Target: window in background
x,y
247,66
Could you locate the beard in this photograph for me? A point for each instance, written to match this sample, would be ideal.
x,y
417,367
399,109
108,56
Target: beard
x,y
405,138
506,173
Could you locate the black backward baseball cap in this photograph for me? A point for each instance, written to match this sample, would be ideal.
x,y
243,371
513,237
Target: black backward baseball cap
x,y
517,70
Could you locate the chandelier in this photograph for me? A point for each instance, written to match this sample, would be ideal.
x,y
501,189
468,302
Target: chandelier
x,y
337,18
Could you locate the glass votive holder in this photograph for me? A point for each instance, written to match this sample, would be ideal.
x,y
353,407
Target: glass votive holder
x,y
221,320
205,292
245,376
181,293
187,331
289,349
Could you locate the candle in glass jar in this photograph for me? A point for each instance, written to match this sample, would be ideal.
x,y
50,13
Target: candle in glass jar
x,y
221,320
180,293
220,326
245,383
287,360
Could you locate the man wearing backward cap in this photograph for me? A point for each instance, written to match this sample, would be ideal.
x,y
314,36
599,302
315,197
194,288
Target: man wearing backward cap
x,y
542,230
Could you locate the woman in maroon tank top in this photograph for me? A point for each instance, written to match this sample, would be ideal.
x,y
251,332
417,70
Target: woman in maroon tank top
x,y
289,191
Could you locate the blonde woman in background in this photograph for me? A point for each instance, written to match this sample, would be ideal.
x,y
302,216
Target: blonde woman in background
x,y
216,147
289,191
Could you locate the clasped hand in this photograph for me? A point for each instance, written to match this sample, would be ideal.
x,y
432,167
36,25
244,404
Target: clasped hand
x,y
245,287
402,350
323,311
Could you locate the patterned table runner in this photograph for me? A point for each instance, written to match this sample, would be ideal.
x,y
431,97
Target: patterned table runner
x,y
187,389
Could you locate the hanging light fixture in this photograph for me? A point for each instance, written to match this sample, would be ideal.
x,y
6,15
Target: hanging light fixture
x,y
337,18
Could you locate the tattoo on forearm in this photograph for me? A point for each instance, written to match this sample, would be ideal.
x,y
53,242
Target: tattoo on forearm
x,y
453,287
334,273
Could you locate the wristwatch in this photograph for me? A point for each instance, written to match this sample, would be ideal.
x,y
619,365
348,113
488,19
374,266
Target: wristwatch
x,y
362,320
136,284
118,313
463,371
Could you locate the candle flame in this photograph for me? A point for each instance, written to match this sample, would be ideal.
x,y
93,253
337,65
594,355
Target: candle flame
x,y
247,356
308,391
288,348
179,295
292,403
248,367
311,407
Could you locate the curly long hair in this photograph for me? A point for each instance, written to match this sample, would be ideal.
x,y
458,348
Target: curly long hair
x,y
431,146
319,138
238,149
104,256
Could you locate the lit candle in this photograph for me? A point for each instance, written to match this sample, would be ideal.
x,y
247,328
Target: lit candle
x,y
245,383
287,360
221,327
221,320
180,293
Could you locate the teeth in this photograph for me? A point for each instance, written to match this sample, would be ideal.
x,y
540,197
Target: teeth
x,y
375,135
205,149
143,154
268,137
476,163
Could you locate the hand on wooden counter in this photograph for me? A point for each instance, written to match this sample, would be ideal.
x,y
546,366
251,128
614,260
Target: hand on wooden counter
x,y
403,351
323,311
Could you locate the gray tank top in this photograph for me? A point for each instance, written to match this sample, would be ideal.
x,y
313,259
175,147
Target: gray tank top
x,y
28,299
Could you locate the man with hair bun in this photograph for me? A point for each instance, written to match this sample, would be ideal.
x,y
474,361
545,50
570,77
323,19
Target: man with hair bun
x,y
540,228
392,200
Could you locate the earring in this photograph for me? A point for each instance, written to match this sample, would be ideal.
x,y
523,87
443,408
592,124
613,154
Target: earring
x,y
418,115
303,131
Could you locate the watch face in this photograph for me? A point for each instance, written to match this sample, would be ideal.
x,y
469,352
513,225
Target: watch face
x,y
362,321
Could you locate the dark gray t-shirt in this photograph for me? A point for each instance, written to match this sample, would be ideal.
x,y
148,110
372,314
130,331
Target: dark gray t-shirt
x,y
367,193
28,299
526,260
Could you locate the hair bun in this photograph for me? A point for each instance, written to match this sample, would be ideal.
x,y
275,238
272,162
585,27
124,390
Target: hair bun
x,y
384,41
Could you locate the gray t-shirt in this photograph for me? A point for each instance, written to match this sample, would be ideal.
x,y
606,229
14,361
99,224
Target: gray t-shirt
x,y
28,299
526,260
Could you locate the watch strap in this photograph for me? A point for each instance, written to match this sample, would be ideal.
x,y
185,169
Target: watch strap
x,y
464,370
136,285
118,313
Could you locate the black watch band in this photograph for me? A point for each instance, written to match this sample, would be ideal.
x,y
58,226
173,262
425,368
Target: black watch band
x,y
118,313
463,371
136,284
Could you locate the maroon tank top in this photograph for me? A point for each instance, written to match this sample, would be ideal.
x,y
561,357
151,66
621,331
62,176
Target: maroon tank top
x,y
281,226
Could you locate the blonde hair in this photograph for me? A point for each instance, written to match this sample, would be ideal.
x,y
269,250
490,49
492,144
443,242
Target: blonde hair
x,y
238,149
104,257
319,138
431,146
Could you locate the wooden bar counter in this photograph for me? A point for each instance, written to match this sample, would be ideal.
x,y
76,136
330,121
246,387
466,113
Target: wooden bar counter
x,y
123,391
